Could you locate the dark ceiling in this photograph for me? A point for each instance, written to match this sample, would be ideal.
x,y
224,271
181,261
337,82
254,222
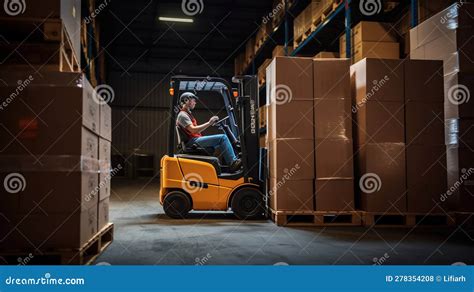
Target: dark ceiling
x,y
135,41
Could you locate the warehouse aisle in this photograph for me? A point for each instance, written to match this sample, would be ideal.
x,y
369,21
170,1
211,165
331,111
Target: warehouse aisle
x,y
144,235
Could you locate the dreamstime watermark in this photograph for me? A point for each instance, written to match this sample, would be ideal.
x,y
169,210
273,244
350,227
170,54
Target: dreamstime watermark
x,y
192,7
377,85
14,183
26,260
201,84
452,14
44,280
202,261
103,183
97,11
14,7
282,94
288,174
380,261
370,7
370,183
104,94
192,183
459,94
280,6
22,84
466,173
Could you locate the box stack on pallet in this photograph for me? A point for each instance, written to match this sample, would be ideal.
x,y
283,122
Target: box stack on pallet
x,y
447,36
334,183
50,144
371,40
290,134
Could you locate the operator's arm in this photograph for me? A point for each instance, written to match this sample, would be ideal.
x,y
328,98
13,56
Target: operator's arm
x,y
199,128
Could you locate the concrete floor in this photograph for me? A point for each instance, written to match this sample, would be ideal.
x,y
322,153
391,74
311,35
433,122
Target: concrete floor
x,y
145,236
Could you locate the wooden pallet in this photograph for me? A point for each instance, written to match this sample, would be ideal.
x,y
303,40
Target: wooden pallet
x,y
81,256
316,218
380,219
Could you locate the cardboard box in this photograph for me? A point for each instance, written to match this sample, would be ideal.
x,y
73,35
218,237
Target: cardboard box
x,y
334,158
331,78
426,177
291,157
380,122
53,191
279,51
103,213
290,120
64,230
382,174
327,55
370,31
105,128
291,195
424,123
376,50
334,194
332,118
424,80
105,167
377,79
262,72
31,76
58,128
262,116
289,78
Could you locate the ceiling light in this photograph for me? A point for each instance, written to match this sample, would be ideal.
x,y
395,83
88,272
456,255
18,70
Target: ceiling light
x,y
175,19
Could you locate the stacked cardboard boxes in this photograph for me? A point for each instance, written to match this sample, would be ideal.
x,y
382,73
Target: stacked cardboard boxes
x,y
447,36
371,40
262,72
425,152
50,155
379,119
334,178
290,133
279,51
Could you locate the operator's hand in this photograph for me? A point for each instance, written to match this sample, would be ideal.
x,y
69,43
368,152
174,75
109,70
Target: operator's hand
x,y
213,120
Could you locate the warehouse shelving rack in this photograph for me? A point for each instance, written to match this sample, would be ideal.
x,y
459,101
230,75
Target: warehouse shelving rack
x,y
326,35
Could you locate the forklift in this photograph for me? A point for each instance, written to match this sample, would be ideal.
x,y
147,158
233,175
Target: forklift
x,y
192,178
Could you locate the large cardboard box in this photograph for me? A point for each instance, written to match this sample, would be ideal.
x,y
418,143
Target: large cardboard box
x,y
334,194
426,177
53,190
262,72
331,78
291,156
376,50
293,119
334,158
103,213
289,78
424,123
377,79
49,121
371,31
424,80
291,195
28,75
105,168
48,231
381,177
380,122
105,129
332,118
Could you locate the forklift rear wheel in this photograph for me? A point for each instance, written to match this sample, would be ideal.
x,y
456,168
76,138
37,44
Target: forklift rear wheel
x,y
247,203
177,205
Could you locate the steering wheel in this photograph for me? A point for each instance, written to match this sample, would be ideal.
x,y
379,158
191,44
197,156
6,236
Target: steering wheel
x,y
220,122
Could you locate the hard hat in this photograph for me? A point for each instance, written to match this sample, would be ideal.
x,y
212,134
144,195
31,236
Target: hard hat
x,y
187,96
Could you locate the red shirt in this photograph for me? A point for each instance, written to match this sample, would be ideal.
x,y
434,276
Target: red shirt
x,y
193,120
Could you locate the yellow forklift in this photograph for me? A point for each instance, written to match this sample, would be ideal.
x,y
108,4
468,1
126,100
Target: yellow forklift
x,y
192,178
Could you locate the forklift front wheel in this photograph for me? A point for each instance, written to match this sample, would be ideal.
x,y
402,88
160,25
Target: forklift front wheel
x,y
177,205
247,203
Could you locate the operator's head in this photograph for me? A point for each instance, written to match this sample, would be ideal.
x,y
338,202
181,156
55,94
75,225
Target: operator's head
x,y
188,100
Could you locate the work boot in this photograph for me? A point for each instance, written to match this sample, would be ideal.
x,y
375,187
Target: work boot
x,y
236,165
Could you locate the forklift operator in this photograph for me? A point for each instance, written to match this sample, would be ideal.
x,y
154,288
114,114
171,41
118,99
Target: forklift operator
x,y
189,125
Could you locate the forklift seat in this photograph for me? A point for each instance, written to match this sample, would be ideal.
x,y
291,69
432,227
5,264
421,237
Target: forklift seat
x,y
209,159
190,149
